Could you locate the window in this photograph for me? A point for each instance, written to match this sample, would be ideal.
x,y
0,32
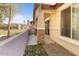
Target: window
x,y
47,27
66,22
68,29
75,21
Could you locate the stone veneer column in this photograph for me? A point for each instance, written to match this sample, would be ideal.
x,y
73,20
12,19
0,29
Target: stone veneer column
x,y
40,27
40,36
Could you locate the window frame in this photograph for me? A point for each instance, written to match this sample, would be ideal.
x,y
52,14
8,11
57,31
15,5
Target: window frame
x,y
70,20
70,24
64,38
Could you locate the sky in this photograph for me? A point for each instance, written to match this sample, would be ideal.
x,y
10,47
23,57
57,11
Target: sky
x,y
25,13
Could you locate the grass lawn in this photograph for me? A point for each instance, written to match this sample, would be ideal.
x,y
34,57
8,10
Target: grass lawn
x,y
35,50
12,32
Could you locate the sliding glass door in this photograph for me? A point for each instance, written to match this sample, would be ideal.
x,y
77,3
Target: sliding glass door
x,y
70,22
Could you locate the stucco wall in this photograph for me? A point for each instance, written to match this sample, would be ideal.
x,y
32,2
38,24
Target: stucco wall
x,y
55,32
39,14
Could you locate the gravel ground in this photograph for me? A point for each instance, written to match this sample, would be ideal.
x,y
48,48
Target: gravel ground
x,y
56,50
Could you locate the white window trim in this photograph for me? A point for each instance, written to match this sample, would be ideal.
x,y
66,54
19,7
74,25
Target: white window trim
x,y
71,22
67,39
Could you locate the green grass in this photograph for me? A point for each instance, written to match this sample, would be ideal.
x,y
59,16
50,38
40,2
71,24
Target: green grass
x,y
35,50
12,32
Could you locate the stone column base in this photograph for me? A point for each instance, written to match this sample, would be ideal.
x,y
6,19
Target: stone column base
x,y
40,36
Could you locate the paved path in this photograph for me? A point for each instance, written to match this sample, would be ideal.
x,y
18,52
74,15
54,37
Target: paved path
x,y
14,47
32,40
48,40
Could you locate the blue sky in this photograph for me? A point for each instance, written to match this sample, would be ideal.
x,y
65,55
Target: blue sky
x,y
27,10
26,13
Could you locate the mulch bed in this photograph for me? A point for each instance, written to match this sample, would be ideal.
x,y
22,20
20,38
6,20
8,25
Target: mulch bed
x,y
35,50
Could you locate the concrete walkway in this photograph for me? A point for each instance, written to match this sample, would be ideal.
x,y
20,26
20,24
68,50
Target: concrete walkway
x,y
14,46
32,40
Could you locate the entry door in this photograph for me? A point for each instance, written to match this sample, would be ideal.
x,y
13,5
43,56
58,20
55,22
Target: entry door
x,y
47,27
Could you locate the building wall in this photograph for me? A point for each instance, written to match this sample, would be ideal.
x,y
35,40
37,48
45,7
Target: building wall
x,y
55,32
40,25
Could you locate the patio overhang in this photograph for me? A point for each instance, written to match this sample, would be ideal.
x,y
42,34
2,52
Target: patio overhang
x,y
48,8
46,15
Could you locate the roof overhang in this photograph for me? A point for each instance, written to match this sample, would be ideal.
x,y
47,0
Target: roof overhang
x,y
46,6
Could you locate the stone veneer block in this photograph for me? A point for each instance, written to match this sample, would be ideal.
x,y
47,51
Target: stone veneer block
x,y
40,36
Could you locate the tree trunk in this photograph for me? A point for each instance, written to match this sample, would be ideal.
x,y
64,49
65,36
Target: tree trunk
x,y
9,20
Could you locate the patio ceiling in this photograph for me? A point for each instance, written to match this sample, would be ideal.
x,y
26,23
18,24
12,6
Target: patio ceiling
x,y
51,6
46,15
46,6
50,3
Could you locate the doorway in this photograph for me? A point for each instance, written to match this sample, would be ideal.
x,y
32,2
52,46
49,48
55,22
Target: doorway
x,y
47,30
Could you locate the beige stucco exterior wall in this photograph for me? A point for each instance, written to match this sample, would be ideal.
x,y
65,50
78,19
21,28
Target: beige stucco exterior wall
x,y
55,30
40,18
